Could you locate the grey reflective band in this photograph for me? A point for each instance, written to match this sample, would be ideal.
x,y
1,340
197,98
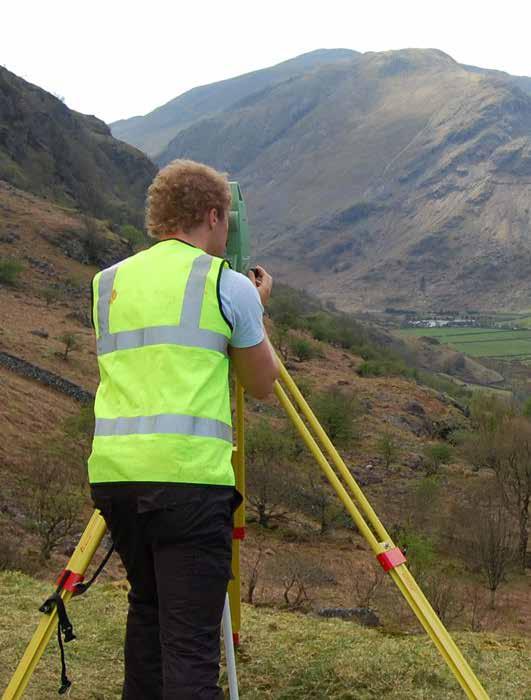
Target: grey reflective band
x,y
162,335
104,297
164,423
187,333
195,292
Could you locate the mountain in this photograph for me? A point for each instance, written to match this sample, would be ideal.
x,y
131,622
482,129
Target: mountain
x,y
54,152
397,179
152,132
521,81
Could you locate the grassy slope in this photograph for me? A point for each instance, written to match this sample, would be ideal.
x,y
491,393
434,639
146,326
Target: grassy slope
x,y
283,656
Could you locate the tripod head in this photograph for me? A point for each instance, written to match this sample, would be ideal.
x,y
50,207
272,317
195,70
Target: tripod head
x,y
238,244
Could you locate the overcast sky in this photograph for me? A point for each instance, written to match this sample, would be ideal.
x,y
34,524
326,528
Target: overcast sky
x,y
120,58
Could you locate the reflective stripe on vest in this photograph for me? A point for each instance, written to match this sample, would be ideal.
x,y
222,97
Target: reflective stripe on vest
x,y
187,333
164,424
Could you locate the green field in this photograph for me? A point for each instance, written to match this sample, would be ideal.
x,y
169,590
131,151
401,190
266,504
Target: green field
x,y
480,342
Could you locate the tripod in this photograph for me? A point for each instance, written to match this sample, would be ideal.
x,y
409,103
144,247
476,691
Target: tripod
x,y
388,554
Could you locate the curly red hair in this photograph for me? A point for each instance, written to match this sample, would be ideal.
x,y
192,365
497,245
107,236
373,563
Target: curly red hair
x,y
181,194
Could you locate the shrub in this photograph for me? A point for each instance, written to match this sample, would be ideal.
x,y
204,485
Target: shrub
x,y
9,556
52,295
337,412
424,503
9,271
445,386
302,349
429,340
385,368
435,455
419,550
134,235
288,307
336,329
526,411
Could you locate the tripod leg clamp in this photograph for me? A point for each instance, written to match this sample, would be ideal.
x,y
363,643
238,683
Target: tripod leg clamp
x,y
391,559
69,581
238,533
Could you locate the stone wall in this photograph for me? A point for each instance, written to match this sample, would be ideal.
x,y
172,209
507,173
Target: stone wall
x,y
30,371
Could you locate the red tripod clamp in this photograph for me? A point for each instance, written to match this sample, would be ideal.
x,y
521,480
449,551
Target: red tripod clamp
x,y
391,559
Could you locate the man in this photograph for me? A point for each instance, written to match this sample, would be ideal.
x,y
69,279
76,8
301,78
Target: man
x,y
166,321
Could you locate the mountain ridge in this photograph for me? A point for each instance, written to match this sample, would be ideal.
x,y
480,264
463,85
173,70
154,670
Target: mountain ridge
x,y
182,110
72,158
384,181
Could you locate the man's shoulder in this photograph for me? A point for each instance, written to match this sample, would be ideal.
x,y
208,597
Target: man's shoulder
x,y
236,277
234,282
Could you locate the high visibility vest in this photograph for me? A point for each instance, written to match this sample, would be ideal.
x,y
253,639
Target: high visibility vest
x,y
162,407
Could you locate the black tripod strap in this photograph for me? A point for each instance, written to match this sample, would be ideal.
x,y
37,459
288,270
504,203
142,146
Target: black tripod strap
x,y
65,681
65,630
80,587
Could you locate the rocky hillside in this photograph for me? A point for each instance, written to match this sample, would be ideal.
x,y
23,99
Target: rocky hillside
x,y
395,179
152,132
59,154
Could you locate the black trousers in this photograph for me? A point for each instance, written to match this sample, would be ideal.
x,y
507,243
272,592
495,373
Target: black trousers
x,y
175,543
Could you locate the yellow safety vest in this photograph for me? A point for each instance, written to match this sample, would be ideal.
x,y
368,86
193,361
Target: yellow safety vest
x,y
162,407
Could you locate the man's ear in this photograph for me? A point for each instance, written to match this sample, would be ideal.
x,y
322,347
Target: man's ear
x,y
212,217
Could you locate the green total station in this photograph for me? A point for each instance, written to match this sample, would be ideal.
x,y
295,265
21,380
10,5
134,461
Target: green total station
x,y
238,244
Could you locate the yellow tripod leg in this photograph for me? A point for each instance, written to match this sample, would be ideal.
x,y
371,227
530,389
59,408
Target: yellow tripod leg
x,y
238,533
388,555
74,572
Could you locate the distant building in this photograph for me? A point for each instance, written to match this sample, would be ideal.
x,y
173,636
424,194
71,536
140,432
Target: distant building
x,y
443,322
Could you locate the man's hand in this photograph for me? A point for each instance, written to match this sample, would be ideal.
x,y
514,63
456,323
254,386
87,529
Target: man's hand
x,y
263,281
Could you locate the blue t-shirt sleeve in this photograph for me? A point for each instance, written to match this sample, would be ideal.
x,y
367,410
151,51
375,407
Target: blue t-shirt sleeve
x,y
241,305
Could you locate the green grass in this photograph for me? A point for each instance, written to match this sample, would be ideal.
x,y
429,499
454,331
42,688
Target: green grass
x,y
284,656
480,342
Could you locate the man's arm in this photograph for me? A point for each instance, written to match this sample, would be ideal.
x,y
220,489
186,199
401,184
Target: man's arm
x,y
256,368
252,356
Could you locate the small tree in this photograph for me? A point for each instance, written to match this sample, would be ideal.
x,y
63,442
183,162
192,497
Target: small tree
x,y
51,497
434,456
298,573
387,448
255,572
367,587
502,442
269,452
444,597
484,533
80,429
316,499
70,343
495,547
280,339
92,240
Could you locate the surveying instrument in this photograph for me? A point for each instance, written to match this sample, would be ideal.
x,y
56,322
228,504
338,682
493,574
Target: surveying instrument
x,y
390,557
